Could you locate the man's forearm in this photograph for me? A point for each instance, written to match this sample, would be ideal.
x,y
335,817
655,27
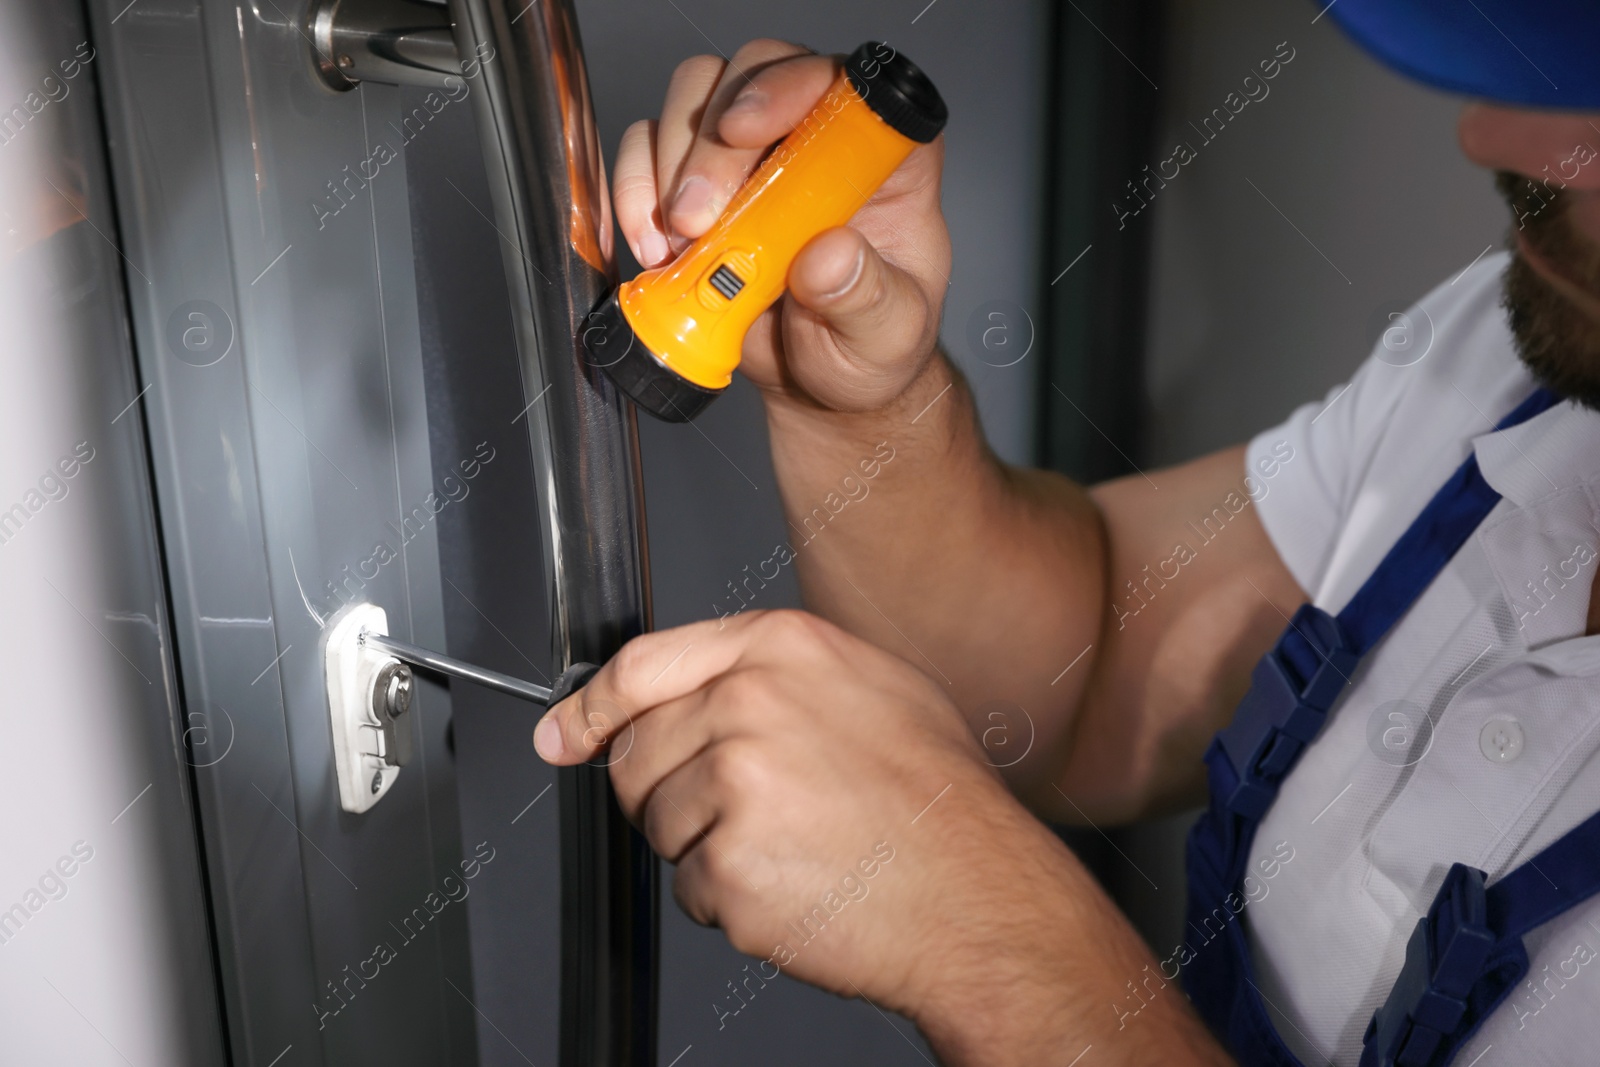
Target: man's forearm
x,y
909,532
1036,966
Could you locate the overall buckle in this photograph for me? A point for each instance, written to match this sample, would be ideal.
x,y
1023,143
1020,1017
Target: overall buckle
x,y
1444,959
1291,690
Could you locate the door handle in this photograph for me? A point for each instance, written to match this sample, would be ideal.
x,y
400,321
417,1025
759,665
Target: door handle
x,y
523,65
395,42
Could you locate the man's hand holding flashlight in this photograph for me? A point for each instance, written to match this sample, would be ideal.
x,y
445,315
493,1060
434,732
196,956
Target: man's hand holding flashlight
x,y
861,317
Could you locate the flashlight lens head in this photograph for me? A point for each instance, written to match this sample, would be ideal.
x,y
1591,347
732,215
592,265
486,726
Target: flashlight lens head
x,y
610,344
897,90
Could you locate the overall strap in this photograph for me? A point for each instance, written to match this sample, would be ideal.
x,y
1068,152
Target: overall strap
x,y
1294,685
1292,689
1466,955
1423,550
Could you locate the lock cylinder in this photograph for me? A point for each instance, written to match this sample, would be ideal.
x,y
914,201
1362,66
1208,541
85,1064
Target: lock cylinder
x,y
671,337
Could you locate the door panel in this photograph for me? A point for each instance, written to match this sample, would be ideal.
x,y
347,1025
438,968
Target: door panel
x,y
276,325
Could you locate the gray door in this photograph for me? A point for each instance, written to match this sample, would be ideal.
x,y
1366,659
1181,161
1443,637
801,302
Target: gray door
x,y
301,465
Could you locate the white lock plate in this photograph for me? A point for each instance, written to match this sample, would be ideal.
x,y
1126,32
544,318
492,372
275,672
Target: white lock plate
x,y
350,672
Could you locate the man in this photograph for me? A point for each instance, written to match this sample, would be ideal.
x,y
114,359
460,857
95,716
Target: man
x,y
827,806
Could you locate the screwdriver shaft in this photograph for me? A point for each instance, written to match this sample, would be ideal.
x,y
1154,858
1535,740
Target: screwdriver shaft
x,y
422,657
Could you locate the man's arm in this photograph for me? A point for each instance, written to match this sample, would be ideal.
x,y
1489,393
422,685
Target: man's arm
x,y
821,798
825,805
1124,619
1003,584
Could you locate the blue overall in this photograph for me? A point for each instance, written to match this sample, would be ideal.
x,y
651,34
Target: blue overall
x,y
1466,954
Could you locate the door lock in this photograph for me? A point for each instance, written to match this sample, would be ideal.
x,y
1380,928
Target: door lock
x,y
370,691
391,699
369,708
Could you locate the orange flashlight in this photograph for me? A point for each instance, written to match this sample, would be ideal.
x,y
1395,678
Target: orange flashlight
x,y
671,337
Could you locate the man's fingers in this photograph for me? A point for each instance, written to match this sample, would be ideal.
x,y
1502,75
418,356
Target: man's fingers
x,y
654,745
696,885
633,191
680,811
687,93
713,169
580,726
648,672
776,99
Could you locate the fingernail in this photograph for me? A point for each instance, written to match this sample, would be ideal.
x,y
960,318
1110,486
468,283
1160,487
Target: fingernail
x,y
547,740
749,99
652,249
850,277
694,196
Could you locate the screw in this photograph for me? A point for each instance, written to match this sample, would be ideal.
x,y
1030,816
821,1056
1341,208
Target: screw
x,y
377,781
345,62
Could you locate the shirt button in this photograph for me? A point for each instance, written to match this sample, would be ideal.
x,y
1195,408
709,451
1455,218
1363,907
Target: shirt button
x,y
1501,740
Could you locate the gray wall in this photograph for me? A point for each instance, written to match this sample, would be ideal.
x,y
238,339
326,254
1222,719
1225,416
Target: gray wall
x,y
1247,318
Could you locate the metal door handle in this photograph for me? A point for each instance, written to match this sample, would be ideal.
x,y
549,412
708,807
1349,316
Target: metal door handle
x,y
396,42
536,124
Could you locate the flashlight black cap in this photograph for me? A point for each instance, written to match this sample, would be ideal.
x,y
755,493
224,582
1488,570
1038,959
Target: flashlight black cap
x,y
610,344
897,90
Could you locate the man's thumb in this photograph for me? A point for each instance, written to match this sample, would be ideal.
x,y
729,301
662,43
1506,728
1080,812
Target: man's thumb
x,y
874,310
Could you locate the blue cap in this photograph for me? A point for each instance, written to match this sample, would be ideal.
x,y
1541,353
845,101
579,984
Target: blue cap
x,y
1534,53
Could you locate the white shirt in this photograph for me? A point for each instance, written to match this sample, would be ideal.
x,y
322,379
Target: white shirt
x,y
1493,650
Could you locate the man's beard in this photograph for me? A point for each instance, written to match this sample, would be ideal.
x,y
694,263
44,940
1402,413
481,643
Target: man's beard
x,y
1558,341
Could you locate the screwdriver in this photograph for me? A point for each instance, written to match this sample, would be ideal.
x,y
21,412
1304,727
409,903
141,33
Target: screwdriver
x,y
571,680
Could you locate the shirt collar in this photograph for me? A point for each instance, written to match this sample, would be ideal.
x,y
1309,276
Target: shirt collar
x,y
1554,450
1543,548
